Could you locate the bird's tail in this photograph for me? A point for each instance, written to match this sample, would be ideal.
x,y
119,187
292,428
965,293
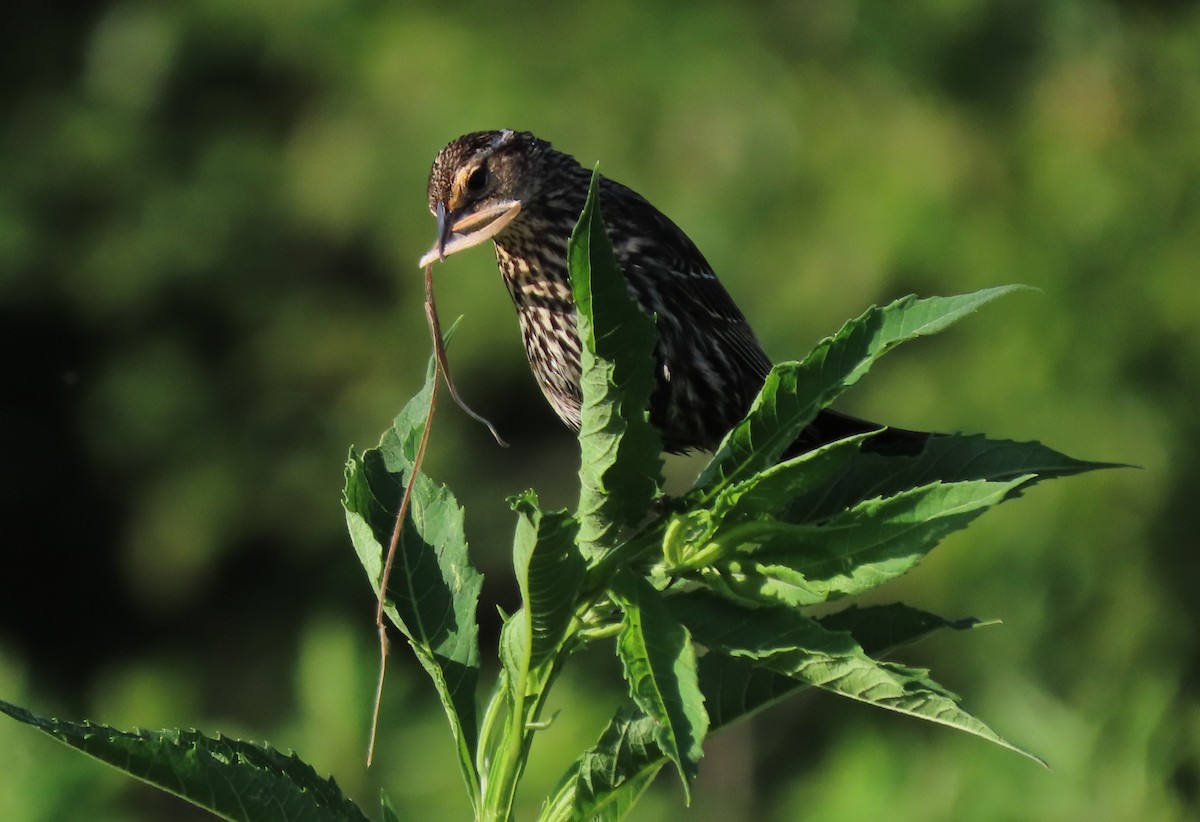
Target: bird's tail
x,y
830,426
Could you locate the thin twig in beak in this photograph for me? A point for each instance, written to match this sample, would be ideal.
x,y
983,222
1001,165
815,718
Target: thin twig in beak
x,y
439,348
443,231
451,238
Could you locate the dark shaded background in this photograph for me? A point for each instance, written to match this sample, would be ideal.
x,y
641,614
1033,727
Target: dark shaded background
x,y
210,215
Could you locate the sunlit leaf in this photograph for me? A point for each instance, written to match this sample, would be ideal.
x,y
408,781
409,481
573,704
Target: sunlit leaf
x,y
433,592
549,569
611,775
791,644
620,461
660,666
944,459
795,392
770,562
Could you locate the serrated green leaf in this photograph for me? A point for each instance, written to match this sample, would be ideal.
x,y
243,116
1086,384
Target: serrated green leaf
x,y
433,592
235,780
606,781
690,538
735,688
609,777
660,666
815,485
550,570
954,458
911,317
495,749
796,646
775,563
620,452
775,488
514,652
387,808
794,393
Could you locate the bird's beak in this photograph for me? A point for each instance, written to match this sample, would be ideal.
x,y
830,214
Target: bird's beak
x,y
456,232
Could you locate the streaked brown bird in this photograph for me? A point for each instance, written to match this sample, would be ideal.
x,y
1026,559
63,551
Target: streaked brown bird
x,y
519,192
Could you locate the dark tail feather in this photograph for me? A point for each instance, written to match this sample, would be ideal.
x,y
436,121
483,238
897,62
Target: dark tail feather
x,y
830,426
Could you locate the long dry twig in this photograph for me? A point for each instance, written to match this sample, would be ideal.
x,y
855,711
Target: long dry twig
x,y
443,366
393,544
439,347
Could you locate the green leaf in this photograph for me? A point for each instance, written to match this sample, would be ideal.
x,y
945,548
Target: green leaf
x,y
691,538
433,592
606,781
514,655
820,485
794,393
859,549
945,459
550,571
660,665
235,780
620,452
497,752
609,777
883,628
387,808
735,688
796,646
910,317
808,475
505,740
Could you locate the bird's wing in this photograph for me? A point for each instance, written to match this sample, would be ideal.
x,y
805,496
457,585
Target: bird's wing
x,y
644,237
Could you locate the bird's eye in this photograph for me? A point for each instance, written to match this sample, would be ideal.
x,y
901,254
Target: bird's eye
x,y
477,182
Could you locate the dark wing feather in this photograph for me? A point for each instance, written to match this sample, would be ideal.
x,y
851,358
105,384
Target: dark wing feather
x,y
682,276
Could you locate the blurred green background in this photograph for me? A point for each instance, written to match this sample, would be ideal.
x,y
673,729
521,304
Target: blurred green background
x,y
210,215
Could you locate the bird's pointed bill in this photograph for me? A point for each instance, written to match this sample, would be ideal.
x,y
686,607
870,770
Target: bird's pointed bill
x,y
455,234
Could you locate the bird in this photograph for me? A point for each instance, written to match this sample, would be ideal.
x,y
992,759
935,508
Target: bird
x,y
525,196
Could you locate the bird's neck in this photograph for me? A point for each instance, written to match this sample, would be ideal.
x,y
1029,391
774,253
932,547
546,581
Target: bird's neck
x,y
533,262
532,252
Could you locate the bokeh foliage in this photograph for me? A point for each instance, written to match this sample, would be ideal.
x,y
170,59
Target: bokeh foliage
x,y
210,215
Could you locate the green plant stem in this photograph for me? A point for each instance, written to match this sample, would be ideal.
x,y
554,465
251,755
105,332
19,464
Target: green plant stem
x,y
522,720
727,543
626,554
516,750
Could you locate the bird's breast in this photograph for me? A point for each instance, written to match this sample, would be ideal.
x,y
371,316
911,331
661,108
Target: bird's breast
x,y
546,312
534,281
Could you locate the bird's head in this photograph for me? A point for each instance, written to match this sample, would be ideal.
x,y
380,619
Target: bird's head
x,y
478,186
